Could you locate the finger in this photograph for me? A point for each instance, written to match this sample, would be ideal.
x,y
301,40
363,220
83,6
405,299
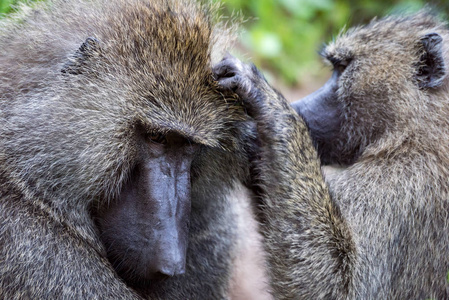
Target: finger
x,y
223,69
230,83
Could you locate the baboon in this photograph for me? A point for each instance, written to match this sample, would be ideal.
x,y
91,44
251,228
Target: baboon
x,y
378,228
122,166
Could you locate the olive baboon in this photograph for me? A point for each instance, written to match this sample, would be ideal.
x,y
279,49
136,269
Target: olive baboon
x,y
121,163
381,232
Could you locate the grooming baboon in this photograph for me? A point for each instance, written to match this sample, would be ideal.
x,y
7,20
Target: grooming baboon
x,y
382,231
121,164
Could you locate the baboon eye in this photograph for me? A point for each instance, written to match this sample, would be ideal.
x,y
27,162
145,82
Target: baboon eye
x,y
341,65
157,137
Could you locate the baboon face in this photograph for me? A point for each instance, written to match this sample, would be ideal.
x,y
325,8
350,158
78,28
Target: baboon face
x,y
172,116
145,228
378,70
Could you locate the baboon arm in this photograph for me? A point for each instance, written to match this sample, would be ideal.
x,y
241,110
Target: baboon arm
x,y
308,243
43,259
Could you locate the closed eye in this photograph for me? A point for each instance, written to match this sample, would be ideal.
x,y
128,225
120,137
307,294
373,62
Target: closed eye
x,y
341,65
157,137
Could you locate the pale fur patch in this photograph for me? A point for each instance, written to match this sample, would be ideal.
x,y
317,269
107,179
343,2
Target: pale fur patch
x,y
249,279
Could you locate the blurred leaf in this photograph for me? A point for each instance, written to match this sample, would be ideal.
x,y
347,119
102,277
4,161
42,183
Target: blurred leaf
x,y
5,5
266,43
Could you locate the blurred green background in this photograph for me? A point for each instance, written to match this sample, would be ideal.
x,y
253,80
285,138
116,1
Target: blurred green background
x,y
282,37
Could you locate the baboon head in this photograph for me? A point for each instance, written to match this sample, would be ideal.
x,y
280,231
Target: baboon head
x,y
117,126
383,74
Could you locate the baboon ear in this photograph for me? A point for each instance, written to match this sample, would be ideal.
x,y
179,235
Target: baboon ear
x,y
431,68
78,60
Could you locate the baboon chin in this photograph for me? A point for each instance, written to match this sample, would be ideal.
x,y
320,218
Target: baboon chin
x,y
377,229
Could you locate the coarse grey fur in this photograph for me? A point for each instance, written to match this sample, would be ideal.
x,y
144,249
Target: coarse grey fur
x,y
77,78
378,228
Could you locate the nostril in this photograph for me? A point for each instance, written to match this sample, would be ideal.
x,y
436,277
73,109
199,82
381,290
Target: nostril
x,y
165,272
173,271
180,271
160,276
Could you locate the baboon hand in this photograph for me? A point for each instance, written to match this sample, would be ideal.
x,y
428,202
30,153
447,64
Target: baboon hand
x,y
244,80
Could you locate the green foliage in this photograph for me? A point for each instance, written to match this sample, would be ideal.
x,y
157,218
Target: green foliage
x,y
8,6
5,5
284,36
